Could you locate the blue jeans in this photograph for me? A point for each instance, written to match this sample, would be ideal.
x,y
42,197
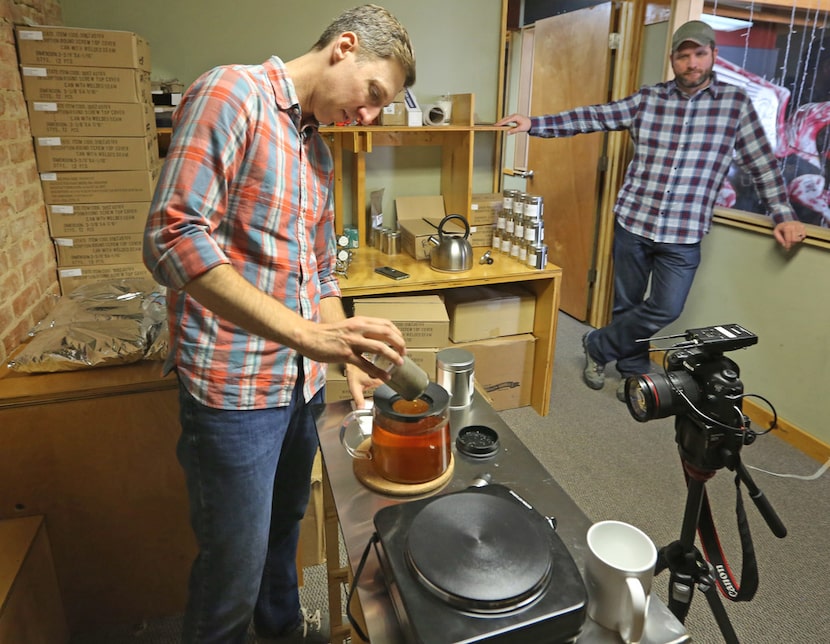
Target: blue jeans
x,y
248,478
672,270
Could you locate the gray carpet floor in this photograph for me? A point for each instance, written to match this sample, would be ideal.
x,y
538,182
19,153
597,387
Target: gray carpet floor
x,y
617,468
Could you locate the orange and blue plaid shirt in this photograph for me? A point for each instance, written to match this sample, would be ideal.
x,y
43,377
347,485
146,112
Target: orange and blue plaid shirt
x,y
243,183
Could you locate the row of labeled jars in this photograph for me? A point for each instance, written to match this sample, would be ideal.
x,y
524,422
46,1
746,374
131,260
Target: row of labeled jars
x,y
517,202
530,252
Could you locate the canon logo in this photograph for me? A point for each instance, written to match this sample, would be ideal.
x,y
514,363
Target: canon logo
x,y
726,582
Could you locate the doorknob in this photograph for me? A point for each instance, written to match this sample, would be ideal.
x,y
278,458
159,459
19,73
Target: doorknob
x,y
522,174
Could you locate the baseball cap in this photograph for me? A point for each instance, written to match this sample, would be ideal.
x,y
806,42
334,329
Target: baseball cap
x,y
695,30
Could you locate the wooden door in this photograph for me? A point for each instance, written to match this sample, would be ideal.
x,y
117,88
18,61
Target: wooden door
x,y
571,61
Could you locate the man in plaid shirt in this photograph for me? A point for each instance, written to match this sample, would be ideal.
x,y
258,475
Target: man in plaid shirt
x,y
686,132
241,231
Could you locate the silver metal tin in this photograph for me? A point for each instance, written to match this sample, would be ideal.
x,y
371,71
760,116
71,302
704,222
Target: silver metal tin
x,y
456,374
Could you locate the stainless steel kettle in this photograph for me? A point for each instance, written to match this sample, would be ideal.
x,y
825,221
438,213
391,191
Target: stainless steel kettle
x,y
451,253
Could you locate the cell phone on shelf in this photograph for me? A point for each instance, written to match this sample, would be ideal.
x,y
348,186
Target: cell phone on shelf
x,y
391,273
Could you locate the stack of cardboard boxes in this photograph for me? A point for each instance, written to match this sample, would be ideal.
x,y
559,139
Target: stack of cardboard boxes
x,y
494,323
90,107
419,218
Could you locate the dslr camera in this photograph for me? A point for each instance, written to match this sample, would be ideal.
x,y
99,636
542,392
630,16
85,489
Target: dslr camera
x,y
702,387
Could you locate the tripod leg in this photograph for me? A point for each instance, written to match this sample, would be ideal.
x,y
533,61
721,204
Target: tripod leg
x,y
707,586
689,569
681,556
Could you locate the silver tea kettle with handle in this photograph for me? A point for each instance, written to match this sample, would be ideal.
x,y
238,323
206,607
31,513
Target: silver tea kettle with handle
x,y
451,253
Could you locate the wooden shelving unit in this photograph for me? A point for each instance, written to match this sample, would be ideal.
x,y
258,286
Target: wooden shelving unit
x,y
456,141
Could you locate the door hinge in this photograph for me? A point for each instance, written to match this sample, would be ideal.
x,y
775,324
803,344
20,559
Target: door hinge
x,y
602,164
614,40
592,275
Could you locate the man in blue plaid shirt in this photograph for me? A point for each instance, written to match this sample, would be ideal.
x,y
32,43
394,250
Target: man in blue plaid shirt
x,y
686,132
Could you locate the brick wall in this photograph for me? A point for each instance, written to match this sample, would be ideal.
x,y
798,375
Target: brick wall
x,y
28,277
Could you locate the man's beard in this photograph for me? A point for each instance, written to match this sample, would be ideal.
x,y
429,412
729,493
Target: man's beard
x,y
703,80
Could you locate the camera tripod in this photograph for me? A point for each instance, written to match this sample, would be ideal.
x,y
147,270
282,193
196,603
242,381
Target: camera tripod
x,y
687,566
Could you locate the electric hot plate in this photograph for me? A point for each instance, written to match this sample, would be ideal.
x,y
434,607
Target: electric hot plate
x,y
480,565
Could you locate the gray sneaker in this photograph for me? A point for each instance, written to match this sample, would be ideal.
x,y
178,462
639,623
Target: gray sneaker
x,y
313,629
621,390
594,372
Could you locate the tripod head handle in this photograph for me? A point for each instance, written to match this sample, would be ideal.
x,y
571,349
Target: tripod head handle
x,y
764,507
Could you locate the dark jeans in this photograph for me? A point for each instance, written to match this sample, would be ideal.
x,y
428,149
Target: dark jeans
x,y
672,269
248,478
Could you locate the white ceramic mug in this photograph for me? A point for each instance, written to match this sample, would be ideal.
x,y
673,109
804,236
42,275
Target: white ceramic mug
x,y
618,572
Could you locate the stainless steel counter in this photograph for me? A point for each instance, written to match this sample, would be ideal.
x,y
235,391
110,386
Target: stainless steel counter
x,y
513,466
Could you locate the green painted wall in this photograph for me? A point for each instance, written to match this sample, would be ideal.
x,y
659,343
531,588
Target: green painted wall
x,y
456,47
783,298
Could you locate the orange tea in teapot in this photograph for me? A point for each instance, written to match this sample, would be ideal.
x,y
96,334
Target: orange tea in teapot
x,y
411,452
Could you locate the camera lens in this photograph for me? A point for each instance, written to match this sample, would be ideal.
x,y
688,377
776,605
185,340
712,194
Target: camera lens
x,y
654,395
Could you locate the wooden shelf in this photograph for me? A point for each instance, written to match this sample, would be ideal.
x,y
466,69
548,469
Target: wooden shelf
x,y
456,143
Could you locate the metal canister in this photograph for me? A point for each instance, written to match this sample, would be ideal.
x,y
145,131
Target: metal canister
x,y
393,244
376,236
384,240
515,245
523,251
455,371
532,231
507,197
533,206
496,239
519,226
519,204
509,224
537,256
505,243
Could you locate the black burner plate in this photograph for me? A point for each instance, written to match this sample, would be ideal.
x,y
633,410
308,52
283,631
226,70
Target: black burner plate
x,y
437,602
467,549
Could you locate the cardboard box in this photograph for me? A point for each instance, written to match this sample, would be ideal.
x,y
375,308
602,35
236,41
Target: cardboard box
x,y
504,369
423,320
95,84
480,312
424,358
99,249
393,114
48,118
71,220
71,277
336,386
98,187
403,111
61,153
482,236
81,47
485,208
415,232
312,526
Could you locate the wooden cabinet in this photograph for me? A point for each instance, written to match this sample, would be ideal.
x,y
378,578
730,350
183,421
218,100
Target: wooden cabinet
x,y
94,452
545,283
456,141
30,604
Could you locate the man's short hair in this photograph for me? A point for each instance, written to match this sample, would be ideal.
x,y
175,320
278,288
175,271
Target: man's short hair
x,y
379,35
